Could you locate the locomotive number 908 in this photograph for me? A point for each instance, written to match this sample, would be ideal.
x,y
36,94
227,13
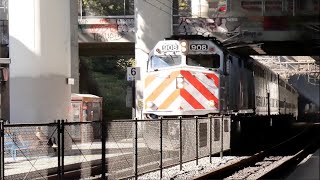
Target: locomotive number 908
x,y
198,47
170,47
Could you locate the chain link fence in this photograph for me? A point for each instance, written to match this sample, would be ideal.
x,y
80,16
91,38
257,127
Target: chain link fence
x,y
69,150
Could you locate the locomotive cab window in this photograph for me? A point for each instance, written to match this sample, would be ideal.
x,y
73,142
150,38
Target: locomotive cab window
x,y
158,62
204,60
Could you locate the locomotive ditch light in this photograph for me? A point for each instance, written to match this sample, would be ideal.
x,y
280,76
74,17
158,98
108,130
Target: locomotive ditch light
x,y
211,103
150,104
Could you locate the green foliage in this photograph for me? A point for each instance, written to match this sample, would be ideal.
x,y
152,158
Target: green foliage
x,y
106,77
104,7
183,5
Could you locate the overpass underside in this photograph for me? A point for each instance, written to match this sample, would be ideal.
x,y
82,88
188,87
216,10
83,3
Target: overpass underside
x,y
277,48
106,48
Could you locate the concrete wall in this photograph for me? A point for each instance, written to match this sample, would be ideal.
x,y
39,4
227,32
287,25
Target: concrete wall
x,y
153,22
40,51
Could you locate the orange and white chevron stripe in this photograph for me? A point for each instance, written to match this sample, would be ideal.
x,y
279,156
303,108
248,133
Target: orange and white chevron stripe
x,y
200,91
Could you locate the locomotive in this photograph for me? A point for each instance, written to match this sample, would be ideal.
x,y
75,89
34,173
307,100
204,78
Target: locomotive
x,y
192,75
196,75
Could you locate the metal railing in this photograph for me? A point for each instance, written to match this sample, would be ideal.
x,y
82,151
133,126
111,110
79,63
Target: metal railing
x,y
113,150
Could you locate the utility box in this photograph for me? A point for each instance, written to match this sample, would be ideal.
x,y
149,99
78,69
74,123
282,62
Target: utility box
x,y
85,108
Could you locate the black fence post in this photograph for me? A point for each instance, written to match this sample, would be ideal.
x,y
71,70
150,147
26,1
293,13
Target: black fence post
x,y
103,151
210,139
180,137
197,138
221,134
161,155
59,149
2,149
136,148
62,147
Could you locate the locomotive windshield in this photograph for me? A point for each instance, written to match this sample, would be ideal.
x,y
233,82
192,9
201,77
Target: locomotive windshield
x,y
158,62
204,60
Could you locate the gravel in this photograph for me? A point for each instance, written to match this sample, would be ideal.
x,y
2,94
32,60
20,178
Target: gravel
x,y
191,170
260,168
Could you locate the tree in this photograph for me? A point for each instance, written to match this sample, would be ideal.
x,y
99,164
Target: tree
x,y
106,7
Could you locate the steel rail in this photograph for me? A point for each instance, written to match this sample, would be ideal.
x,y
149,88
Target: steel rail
x,y
227,171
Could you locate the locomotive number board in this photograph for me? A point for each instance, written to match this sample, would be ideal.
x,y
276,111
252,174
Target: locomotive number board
x,y
198,47
170,47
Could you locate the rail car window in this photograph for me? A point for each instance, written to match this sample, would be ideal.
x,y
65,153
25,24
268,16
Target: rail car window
x,y
252,5
216,136
204,60
281,104
288,88
158,62
226,125
282,83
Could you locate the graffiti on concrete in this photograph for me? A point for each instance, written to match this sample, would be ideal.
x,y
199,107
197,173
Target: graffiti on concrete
x,y
107,29
220,27
206,26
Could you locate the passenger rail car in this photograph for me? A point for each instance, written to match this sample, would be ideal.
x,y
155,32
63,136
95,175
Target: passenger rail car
x,y
196,76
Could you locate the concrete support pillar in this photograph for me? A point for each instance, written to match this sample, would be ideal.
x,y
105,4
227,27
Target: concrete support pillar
x,y
40,41
74,45
153,22
199,8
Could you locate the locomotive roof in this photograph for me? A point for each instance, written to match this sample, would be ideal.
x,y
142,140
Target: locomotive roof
x,y
224,49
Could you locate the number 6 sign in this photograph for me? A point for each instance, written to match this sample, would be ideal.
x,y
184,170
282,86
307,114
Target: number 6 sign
x,y
133,73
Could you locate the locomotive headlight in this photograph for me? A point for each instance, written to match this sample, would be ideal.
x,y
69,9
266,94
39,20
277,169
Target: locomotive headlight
x,y
179,82
211,103
150,104
183,49
183,46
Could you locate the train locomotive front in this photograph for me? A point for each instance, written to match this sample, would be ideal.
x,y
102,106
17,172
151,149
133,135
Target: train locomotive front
x,y
183,80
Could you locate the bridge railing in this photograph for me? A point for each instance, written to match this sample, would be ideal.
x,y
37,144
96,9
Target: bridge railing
x,y
115,149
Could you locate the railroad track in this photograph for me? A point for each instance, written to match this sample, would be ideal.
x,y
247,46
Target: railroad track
x,y
271,163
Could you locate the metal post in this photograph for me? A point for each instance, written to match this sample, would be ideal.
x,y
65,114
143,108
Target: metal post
x,y
210,139
161,155
180,136
136,148
62,147
80,4
103,151
59,149
2,149
124,7
294,8
268,101
133,85
221,134
197,138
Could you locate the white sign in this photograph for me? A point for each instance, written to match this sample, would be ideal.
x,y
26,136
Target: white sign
x,y
133,73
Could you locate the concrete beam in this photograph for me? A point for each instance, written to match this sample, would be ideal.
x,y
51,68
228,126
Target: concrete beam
x,y
107,49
